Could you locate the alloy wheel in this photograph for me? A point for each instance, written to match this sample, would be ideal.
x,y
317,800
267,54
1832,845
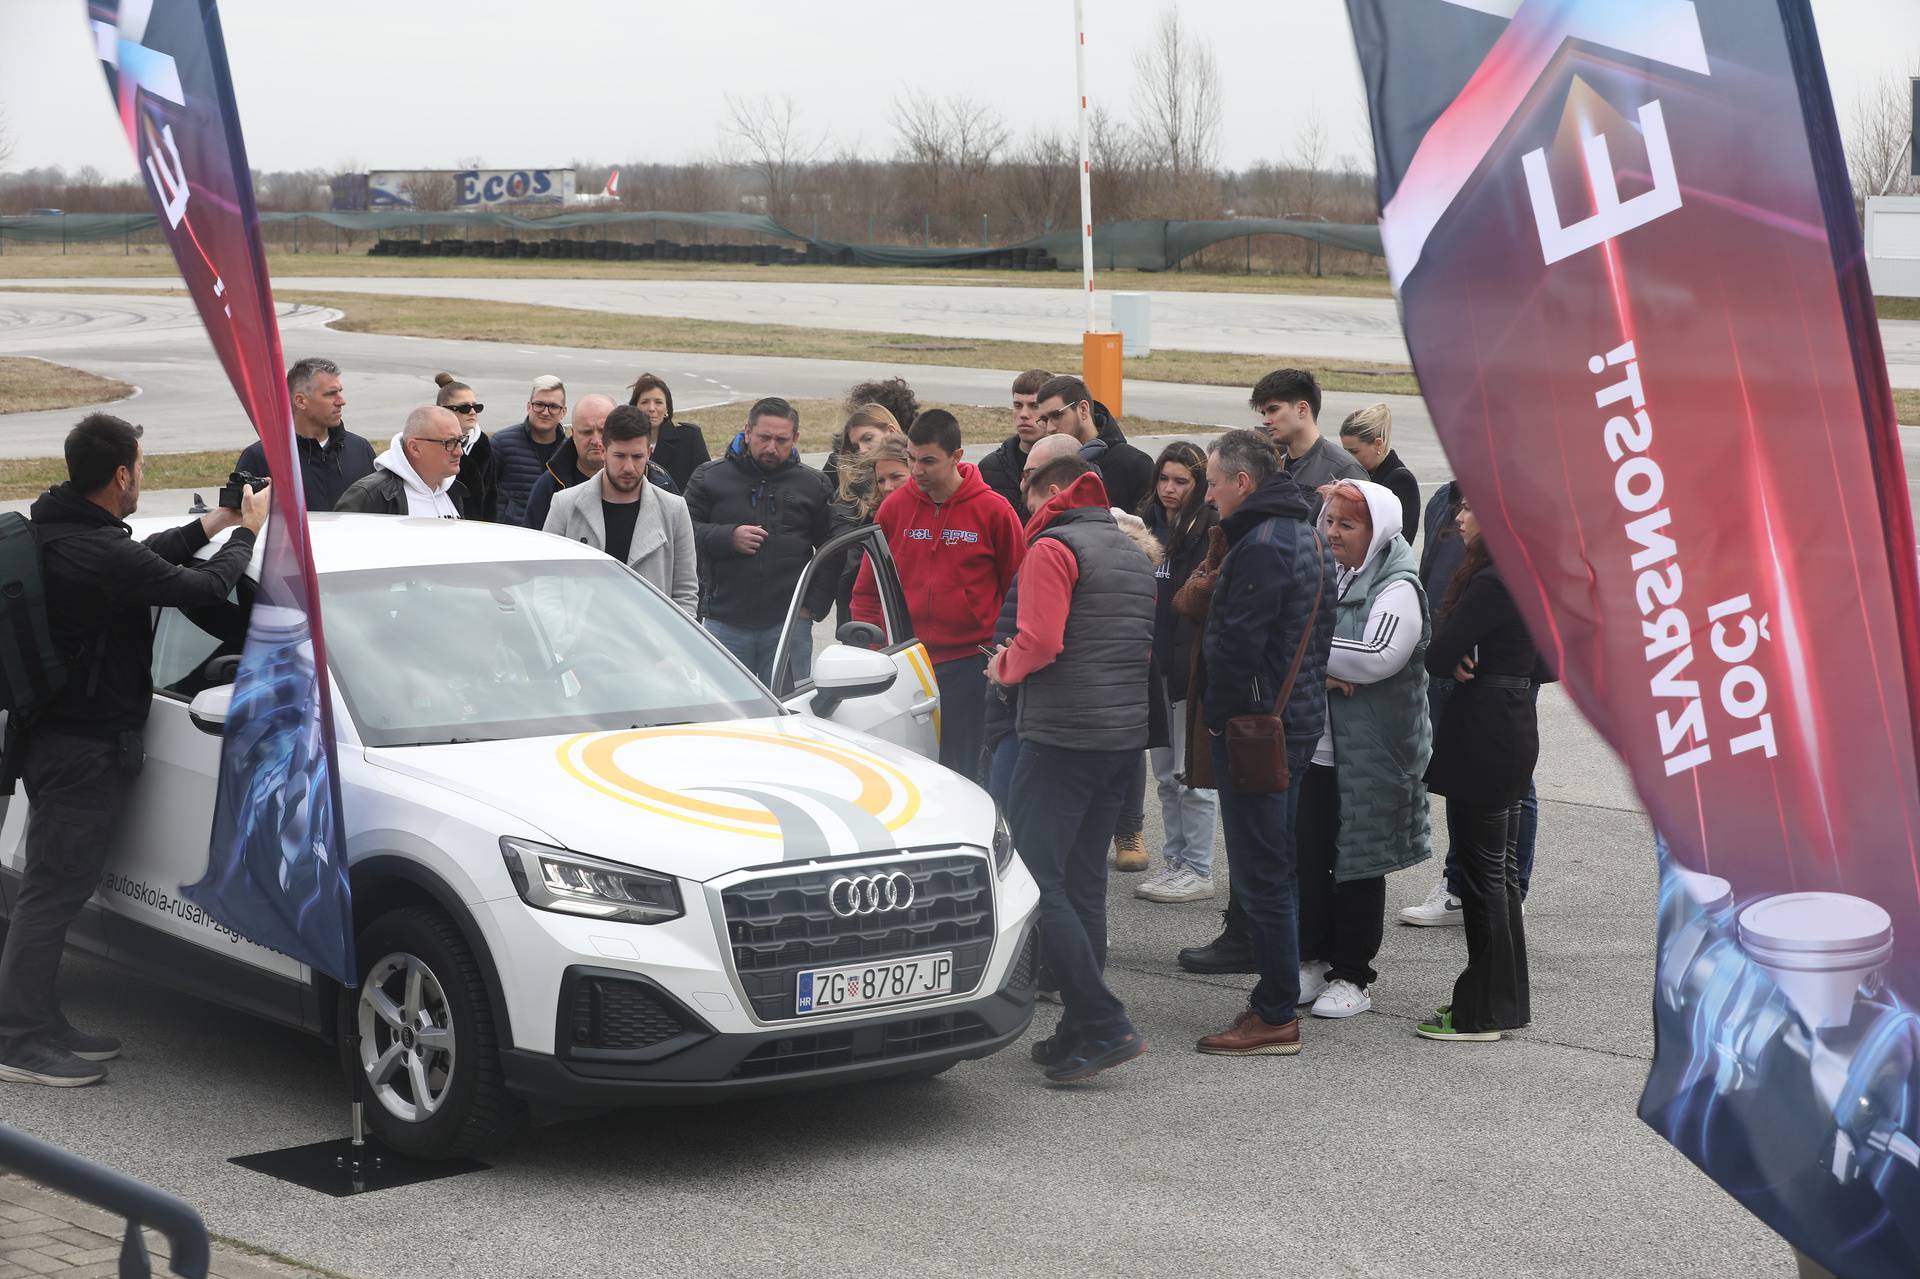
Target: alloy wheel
x,y
407,1039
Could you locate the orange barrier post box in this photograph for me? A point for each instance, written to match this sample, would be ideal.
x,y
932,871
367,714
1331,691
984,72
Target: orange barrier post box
x,y
1100,368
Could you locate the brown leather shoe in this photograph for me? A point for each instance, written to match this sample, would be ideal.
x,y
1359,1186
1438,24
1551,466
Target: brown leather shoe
x,y
1250,1036
1130,852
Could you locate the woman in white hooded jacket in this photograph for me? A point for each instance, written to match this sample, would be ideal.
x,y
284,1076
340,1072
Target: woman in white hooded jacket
x,y
1363,803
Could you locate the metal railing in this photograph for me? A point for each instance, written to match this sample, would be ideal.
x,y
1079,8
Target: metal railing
x,y
134,1201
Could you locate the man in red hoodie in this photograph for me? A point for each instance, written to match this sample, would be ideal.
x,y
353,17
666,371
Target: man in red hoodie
x,y
957,545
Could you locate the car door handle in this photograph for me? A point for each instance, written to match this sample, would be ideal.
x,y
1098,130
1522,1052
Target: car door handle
x,y
920,710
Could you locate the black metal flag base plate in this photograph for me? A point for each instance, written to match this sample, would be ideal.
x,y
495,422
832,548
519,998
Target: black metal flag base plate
x,y
340,1168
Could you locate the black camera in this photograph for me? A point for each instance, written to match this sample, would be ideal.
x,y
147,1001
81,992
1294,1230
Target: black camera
x,y
230,491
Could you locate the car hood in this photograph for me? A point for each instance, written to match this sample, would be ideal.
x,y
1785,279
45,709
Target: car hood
x,y
699,800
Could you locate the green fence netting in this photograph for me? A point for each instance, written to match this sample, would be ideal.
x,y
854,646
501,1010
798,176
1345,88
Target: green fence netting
x,y
1145,245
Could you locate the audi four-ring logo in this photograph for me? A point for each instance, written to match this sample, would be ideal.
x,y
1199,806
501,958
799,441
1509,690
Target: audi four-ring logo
x,y
870,894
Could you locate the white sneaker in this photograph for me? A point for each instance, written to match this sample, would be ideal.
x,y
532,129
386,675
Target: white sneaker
x,y
1341,998
1158,881
1313,980
1440,910
1182,886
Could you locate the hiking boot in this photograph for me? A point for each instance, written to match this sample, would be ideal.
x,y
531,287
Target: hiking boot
x,y
1230,952
39,1062
1130,851
1252,1036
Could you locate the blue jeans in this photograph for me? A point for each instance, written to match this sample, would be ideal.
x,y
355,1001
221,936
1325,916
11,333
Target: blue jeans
x,y
755,647
1260,858
963,714
1006,753
1186,815
1065,804
1438,690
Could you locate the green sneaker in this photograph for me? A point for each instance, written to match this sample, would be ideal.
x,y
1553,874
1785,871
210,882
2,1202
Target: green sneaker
x,y
1442,1028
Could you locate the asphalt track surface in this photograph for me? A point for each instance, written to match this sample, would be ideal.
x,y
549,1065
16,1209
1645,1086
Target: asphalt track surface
x,y
1373,1153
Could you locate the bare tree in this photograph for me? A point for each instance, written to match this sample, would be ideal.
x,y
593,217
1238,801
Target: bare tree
x,y
949,145
1038,186
1877,139
434,192
6,138
769,138
1120,167
1177,107
1307,161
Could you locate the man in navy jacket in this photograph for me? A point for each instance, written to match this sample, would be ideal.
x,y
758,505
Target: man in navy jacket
x,y
1276,574
331,457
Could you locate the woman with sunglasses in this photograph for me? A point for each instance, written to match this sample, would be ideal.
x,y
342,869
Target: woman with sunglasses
x,y
479,463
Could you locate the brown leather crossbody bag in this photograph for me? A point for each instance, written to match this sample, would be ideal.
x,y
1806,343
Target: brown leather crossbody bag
x,y
1257,744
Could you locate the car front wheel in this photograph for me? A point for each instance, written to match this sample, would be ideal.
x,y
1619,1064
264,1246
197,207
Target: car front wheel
x,y
427,1049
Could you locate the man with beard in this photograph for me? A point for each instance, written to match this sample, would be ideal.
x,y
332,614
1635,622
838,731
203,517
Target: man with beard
x,y
759,513
640,524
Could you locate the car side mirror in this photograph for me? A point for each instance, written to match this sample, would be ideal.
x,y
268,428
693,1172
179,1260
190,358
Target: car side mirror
x,y
208,710
864,634
842,673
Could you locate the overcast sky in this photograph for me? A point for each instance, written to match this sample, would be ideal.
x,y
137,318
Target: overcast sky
x,y
423,83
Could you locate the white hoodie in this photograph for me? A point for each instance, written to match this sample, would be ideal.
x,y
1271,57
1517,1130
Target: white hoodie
x,y
1393,622
421,500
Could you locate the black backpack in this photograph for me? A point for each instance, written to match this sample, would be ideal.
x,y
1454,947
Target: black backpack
x,y
31,668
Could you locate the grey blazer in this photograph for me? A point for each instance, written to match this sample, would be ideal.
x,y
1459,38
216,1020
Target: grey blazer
x,y
662,550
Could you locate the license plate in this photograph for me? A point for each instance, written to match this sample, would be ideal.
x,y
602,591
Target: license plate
x,y
829,990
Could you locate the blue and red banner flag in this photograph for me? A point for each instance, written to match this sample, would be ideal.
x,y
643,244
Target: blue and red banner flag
x,y
276,870
1630,267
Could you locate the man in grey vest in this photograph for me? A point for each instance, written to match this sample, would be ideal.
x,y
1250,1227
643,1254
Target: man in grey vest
x,y
1079,654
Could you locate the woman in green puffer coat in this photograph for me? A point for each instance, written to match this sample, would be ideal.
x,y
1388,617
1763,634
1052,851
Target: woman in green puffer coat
x,y
1363,805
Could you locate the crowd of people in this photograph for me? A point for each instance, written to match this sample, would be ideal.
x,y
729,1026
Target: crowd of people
x,y
1248,621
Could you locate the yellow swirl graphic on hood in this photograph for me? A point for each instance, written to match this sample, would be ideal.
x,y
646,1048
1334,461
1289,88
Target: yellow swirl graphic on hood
x,y
884,792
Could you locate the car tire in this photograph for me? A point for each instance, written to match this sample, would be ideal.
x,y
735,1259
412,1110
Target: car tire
x,y
474,1110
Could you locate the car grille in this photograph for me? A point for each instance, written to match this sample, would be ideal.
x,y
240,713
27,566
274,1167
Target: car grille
x,y
781,925
830,1048
619,1016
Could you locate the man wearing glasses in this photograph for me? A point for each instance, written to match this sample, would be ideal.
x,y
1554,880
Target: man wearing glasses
x,y
331,457
1065,407
526,447
419,474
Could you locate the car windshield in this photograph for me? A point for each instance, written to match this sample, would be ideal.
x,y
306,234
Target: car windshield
x,y
482,652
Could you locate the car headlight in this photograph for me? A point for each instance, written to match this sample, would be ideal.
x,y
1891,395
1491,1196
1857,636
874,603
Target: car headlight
x,y
1002,845
555,879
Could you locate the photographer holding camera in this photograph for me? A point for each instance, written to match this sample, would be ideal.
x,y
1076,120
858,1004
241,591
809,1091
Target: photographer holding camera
x,y
82,750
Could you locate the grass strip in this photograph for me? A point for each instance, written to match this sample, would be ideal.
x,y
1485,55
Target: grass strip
x,y
478,321
22,477
28,385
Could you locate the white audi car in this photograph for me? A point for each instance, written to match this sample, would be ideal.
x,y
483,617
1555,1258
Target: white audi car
x,y
594,861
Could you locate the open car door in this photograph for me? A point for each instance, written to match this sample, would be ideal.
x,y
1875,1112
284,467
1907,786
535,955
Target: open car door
x,y
908,712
